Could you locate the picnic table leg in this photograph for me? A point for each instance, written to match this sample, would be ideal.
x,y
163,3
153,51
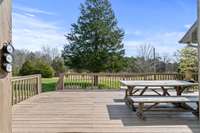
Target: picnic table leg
x,y
126,93
154,90
140,111
129,91
143,91
196,112
179,90
165,91
185,106
132,106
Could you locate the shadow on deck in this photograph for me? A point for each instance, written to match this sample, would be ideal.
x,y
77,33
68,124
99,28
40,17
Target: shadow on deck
x,y
59,112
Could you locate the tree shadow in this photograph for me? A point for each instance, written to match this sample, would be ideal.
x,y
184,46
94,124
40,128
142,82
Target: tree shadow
x,y
128,118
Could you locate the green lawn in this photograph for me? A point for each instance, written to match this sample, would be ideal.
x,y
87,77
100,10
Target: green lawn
x,y
49,84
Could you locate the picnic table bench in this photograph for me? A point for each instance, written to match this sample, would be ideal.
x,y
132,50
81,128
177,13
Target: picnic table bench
x,y
141,100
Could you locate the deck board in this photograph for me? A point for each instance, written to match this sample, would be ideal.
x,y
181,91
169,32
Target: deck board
x,y
94,112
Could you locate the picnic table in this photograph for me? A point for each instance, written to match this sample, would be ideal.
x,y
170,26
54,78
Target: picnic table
x,y
162,96
136,85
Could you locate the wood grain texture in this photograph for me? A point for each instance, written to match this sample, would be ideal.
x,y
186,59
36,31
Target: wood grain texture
x,y
158,83
5,83
164,99
24,87
94,112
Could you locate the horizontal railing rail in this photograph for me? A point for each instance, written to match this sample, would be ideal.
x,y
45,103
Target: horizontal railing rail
x,y
110,80
24,87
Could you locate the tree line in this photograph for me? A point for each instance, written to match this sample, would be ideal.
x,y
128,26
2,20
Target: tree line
x,y
49,62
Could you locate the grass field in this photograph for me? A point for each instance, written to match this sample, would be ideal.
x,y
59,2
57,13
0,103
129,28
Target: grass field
x,y
49,84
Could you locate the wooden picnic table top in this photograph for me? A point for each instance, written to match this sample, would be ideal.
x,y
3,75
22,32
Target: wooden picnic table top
x,y
157,83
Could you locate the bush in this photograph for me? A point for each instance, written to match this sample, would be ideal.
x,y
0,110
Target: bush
x,y
37,67
45,69
27,68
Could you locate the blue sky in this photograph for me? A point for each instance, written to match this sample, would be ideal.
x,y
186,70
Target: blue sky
x,y
161,23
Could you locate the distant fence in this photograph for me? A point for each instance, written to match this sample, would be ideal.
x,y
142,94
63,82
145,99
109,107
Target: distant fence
x,y
24,87
110,80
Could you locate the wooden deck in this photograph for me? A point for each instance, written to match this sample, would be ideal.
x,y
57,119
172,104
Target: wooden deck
x,y
61,112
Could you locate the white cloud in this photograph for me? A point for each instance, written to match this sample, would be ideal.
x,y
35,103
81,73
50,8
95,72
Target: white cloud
x,y
187,26
165,43
30,32
32,10
134,33
29,14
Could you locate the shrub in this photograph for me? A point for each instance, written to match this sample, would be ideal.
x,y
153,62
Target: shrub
x,y
45,69
27,68
37,67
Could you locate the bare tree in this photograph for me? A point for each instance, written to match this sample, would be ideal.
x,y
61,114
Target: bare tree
x,y
146,58
145,51
20,57
49,54
166,58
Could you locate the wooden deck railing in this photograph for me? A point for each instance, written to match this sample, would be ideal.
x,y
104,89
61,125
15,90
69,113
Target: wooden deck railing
x,y
24,87
109,80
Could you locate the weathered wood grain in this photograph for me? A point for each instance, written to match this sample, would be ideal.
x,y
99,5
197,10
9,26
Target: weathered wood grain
x,y
5,84
24,87
158,83
164,99
94,112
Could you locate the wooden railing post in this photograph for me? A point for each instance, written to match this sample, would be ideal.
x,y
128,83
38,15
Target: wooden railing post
x,y
5,79
96,80
154,76
61,84
39,83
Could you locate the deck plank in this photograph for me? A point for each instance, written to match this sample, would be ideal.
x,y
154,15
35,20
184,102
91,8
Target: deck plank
x,y
94,112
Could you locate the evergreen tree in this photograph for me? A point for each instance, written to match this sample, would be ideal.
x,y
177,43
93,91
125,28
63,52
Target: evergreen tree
x,y
95,41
